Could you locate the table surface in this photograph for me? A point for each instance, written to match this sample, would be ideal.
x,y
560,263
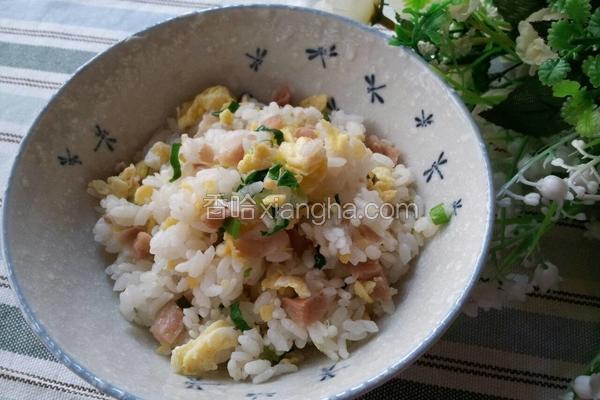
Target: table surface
x,y
529,351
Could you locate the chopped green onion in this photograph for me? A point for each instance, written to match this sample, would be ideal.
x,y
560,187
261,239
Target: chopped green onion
x,y
277,134
274,172
320,260
174,159
287,179
280,224
233,106
282,176
232,226
438,215
237,317
271,355
183,302
326,117
247,272
255,176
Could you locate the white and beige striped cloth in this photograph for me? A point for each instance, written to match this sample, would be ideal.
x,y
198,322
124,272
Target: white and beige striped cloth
x,y
527,352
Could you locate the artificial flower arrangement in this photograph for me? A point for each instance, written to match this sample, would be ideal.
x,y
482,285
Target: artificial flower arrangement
x,y
529,71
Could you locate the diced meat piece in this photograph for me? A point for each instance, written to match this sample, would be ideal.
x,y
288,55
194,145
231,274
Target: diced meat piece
x,y
253,244
306,311
141,245
299,242
366,270
233,155
384,147
305,131
127,236
368,233
382,289
206,156
168,324
274,122
282,95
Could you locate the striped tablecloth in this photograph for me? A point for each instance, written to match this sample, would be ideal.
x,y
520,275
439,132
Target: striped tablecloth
x,y
530,351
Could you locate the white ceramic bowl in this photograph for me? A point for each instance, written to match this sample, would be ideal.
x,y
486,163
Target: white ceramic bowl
x,y
108,110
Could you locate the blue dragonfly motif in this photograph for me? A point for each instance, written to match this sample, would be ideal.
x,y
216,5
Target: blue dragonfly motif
x,y
332,105
256,396
257,58
197,384
456,204
322,53
435,168
372,89
329,373
104,137
424,121
69,159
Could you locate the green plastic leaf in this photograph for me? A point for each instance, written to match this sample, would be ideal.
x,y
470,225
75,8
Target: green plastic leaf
x,y
438,215
565,88
416,4
560,35
174,160
594,24
591,67
432,25
530,109
237,317
320,260
552,71
575,106
578,10
558,5
588,124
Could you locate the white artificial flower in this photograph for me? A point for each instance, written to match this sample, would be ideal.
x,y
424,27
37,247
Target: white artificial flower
x,y
359,10
485,296
531,48
587,387
546,276
517,286
461,12
426,49
553,188
532,199
545,14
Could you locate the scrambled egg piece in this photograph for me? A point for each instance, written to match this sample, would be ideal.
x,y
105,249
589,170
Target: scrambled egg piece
x,y
143,195
260,156
318,101
384,183
364,290
343,145
207,351
307,159
276,281
211,99
123,185
158,155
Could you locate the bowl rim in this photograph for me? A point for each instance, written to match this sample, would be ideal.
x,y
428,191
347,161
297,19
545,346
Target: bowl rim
x,y
349,393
